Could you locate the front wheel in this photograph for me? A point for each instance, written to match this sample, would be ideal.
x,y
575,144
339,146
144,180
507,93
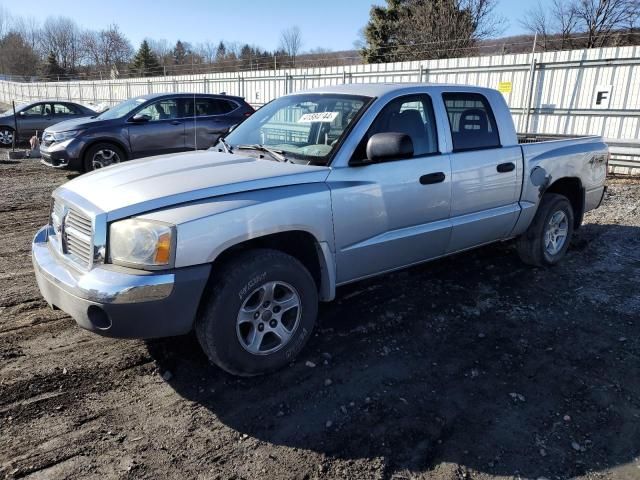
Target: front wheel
x,y
6,136
102,155
547,239
258,313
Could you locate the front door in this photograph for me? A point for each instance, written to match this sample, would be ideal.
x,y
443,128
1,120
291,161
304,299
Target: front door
x,y
484,175
163,132
396,213
34,119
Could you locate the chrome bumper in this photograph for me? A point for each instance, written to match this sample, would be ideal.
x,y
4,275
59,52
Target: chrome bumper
x,y
101,284
113,302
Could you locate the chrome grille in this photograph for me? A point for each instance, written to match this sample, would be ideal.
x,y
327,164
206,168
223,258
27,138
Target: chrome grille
x,y
74,233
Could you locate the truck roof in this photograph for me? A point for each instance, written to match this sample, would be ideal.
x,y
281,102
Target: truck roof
x,y
381,89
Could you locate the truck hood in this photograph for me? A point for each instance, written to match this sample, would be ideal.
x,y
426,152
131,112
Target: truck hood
x,y
152,183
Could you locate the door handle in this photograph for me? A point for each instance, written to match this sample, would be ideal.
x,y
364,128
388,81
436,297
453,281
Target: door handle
x,y
431,178
176,122
506,167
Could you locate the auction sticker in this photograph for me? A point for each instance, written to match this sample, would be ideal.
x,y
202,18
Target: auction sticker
x,y
327,117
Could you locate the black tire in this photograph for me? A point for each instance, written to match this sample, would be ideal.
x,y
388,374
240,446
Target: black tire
x,y
531,245
102,146
6,136
237,282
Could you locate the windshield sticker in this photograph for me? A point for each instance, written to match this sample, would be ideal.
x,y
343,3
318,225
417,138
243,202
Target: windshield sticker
x,y
326,117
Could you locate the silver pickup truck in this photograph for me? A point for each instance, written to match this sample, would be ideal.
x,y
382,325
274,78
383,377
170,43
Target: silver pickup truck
x,y
316,190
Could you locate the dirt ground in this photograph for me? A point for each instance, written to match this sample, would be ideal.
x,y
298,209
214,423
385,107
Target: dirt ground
x,y
472,367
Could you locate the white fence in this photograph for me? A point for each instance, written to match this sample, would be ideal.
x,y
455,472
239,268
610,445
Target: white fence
x,y
574,92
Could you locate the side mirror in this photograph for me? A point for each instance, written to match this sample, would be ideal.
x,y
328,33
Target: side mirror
x,y
21,113
389,146
140,118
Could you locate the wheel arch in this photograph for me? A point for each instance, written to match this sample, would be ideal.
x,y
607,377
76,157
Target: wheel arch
x,y
316,256
571,187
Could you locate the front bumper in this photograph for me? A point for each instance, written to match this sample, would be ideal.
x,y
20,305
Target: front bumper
x,y
65,154
120,302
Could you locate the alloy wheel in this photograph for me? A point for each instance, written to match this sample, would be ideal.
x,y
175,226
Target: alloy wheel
x,y
268,318
104,157
555,234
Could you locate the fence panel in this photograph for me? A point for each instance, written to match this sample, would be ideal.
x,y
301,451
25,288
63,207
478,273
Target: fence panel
x,y
577,92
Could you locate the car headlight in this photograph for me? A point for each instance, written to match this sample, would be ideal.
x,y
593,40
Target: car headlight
x,y
141,243
62,136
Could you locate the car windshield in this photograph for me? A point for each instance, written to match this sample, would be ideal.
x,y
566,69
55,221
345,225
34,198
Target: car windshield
x,y
306,126
121,109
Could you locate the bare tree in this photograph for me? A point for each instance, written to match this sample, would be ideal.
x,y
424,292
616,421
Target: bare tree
x,y
162,49
566,18
602,18
555,24
487,22
5,21
62,37
29,29
291,43
106,48
207,51
537,20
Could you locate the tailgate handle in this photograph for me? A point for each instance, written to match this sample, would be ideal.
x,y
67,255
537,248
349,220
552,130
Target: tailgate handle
x,y
506,167
431,178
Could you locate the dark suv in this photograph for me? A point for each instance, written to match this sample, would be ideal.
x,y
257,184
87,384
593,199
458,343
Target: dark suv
x,y
140,127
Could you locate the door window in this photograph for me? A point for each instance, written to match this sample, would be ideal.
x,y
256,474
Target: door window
x,y
162,110
205,107
412,115
471,120
37,110
63,109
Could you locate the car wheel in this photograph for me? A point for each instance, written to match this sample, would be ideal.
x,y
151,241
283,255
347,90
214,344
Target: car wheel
x,y
102,155
258,313
547,239
6,136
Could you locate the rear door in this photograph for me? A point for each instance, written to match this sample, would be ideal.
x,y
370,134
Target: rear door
x,y
207,119
162,133
388,215
66,111
484,174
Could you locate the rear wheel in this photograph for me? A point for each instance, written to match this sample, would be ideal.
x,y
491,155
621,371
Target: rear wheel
x,y
547,239
102,155
258,313
6,136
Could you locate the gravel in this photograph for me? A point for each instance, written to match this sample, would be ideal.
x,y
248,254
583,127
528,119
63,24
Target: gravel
x,y
460,338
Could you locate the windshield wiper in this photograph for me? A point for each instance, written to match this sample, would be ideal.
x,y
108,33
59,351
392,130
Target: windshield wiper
x,y
275,154
225,145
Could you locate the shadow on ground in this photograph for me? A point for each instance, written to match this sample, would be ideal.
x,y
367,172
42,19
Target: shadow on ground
x,y
475,359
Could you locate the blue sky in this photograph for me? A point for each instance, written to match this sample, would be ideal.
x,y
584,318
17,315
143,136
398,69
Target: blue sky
x,y
332,24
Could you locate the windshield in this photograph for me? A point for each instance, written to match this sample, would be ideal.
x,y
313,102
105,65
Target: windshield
x,y
121,109
306,126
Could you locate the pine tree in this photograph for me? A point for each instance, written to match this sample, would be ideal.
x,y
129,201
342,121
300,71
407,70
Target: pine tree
x,y
379,33
52,68
179,53
145,63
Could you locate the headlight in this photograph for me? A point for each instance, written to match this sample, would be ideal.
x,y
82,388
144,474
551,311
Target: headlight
x,y
62,136
141,243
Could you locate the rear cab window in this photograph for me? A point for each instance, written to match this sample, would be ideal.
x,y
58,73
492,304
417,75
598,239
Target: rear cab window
x,y
471,120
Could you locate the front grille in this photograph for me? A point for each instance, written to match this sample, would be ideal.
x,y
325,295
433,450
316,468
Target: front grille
x,y
74,233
